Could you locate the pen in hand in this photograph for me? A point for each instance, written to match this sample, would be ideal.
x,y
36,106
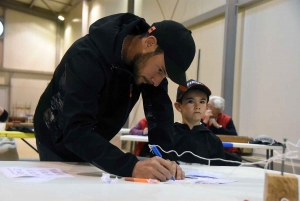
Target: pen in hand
x,y
157,153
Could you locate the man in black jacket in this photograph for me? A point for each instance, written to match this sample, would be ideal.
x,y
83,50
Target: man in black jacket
x,y
189,134
96,85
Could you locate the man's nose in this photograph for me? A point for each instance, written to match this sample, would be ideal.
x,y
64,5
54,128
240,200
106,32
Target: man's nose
x,y
157,80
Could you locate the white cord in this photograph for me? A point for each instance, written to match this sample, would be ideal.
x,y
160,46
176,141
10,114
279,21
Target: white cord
x,y
274,158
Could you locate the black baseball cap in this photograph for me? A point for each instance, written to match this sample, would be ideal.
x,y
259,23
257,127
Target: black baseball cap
x,y
192,84
178,46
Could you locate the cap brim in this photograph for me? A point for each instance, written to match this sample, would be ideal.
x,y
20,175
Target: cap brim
x,y
175,73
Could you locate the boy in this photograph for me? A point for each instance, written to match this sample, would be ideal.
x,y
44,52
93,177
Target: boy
x,y
190,134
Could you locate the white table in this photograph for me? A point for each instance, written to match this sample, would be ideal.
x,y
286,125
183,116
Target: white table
x,y
134,138
22,135
124,130
138,138
86,185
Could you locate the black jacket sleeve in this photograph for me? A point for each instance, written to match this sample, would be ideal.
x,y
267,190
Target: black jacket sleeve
x,y
80,108
159,114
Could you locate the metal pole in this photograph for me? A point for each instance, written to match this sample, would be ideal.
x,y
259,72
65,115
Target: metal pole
x,y
198,64
231,13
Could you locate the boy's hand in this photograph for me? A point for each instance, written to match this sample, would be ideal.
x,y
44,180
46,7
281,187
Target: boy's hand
x,y
157,168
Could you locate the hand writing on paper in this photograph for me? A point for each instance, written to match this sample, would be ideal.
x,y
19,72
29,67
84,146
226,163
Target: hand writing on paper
x,y
157,168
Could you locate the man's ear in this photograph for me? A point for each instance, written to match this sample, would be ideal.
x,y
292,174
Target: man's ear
x,y
177,106
149,44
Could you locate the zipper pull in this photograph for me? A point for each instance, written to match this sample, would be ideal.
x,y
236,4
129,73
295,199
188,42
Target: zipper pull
x,y
113,66
130,94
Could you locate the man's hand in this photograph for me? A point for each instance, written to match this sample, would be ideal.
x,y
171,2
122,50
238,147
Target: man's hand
x,y
145,131
213,122
157,168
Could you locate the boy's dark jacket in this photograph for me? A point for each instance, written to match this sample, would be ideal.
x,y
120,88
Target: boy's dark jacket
x,y
200,141
91,95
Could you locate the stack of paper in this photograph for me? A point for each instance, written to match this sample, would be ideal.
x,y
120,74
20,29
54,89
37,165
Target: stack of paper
x,y
36,175
202,177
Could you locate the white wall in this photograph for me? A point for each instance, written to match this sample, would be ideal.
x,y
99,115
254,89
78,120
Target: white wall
x,y
29,42
97,9
167,9
26,91
102,8
270,73
72,27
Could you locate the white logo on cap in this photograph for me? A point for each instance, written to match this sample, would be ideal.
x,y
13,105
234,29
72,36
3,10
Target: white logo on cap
x,y
193,82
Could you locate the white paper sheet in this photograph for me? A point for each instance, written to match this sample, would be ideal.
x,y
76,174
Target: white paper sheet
x,y
13,172
214,181
204,174
206,180
34,180
202,177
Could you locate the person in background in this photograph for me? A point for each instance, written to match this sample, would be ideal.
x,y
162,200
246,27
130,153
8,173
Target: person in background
x,y
190,134
141,128
98,82
215,120
8,146
3,114
220,123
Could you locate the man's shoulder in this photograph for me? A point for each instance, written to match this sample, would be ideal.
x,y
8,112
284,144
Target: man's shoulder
x,y
225,116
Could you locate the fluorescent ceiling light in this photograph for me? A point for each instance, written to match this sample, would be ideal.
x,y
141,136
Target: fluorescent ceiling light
x,y
76,20
1,28
61,18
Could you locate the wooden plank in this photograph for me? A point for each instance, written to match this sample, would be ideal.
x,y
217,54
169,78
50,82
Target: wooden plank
x,y
230,138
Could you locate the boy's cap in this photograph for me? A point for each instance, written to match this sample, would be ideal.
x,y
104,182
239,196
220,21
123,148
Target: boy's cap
x,y
192,84
178,46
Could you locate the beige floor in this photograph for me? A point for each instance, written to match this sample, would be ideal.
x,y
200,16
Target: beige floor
x,y
26,152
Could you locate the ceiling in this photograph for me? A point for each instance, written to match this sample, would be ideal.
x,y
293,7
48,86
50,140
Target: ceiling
x,y
49,9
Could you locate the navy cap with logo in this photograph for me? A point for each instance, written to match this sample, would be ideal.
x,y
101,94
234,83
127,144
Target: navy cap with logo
x,y
178,46
192,84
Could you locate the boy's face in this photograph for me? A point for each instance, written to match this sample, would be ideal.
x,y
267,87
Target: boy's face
x,y
193,106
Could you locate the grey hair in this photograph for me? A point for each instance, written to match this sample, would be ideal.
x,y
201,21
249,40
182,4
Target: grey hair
x,y
219,102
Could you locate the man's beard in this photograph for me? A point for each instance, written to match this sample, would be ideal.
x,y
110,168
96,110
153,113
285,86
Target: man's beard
x,y
139,62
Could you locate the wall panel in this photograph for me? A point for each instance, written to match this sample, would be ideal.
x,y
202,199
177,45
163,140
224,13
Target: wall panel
x,y
29,42
270,73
